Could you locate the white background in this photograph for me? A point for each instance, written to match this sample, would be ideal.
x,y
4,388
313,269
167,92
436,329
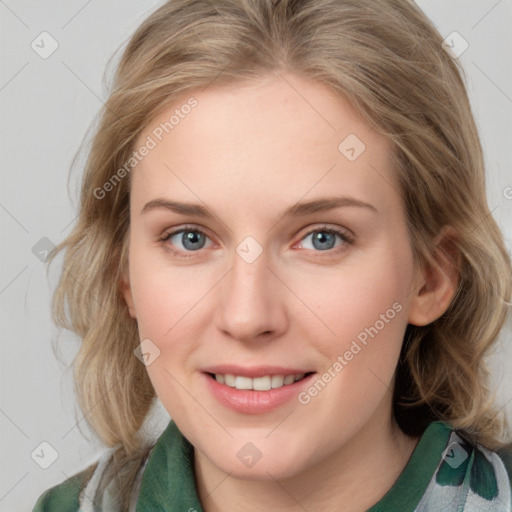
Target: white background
x,y
47,106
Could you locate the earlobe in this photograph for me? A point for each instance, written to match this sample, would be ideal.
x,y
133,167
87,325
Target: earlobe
x,y
438,284
125,288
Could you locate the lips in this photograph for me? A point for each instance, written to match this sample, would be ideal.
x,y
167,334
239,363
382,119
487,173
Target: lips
x,y
255,390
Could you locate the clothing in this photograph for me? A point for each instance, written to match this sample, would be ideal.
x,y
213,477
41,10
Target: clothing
x,y
445,473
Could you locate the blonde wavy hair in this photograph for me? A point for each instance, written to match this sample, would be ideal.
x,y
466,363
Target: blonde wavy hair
x,y
386,58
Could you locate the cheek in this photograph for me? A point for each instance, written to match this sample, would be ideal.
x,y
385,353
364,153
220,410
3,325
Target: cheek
x,y
170,303
167,306
165,296
366,309
360,298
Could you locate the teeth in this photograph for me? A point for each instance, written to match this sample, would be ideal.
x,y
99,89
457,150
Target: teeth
x,y
262,383
259,383
229,380
289,379
277,381
243,383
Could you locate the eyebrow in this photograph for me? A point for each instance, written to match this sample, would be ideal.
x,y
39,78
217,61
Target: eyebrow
x,y
296,210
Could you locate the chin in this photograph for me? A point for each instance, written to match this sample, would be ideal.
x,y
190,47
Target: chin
x,y
274,466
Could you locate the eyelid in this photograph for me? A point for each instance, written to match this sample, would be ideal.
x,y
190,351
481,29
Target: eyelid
x,y
343,232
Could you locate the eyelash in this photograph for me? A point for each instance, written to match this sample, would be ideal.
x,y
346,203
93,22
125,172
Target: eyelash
x,y
344,236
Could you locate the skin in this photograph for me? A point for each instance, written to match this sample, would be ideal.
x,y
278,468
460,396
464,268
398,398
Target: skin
x,y
247,152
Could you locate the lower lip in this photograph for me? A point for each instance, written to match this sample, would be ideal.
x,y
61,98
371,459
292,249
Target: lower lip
x,y
254,402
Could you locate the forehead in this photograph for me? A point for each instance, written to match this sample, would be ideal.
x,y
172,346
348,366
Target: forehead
x,y
280,138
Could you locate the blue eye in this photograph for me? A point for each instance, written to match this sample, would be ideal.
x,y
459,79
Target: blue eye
x,y
191,239
323,239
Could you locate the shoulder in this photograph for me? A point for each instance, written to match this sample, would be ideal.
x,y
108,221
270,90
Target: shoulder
x,y
65,497
505,455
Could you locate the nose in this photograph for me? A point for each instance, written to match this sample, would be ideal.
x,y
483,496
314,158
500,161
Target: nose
x,y
251,301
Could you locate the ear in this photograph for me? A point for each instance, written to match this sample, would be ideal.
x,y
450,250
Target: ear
x,y
438,282
126,290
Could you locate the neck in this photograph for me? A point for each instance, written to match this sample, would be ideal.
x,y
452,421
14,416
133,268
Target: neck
x,y
353,478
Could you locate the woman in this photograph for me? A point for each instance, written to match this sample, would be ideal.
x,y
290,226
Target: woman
x,y
284,237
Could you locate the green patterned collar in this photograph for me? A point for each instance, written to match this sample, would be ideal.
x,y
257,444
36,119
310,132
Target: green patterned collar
x,y
412,483
168,483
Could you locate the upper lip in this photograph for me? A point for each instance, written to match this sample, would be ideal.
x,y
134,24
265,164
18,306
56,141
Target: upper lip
x,y
254,371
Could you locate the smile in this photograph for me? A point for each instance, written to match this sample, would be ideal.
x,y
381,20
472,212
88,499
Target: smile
x,y
263,383
255,390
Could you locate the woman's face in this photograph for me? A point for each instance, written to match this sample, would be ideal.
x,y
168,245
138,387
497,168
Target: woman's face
x,y
268,244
